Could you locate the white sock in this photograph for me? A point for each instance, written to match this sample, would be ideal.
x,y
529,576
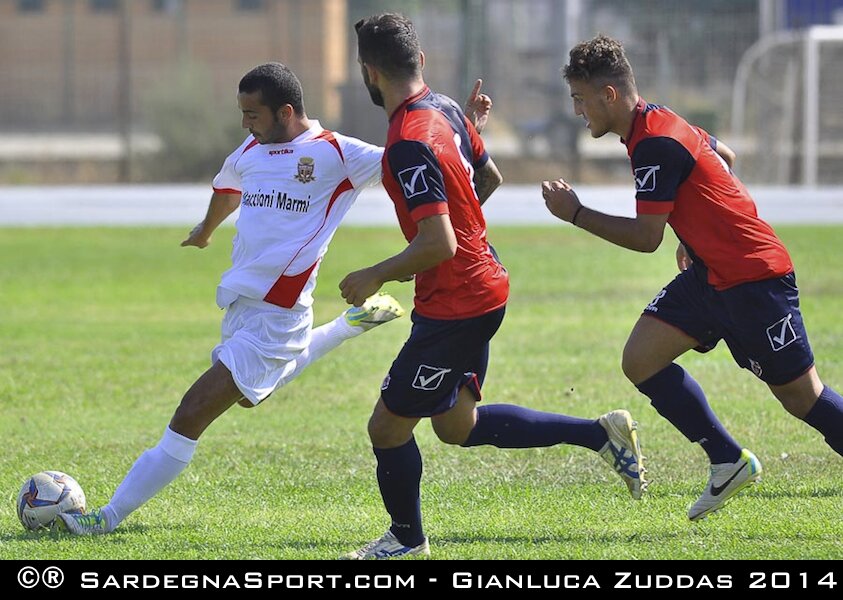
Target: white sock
x,y
323,339
151,473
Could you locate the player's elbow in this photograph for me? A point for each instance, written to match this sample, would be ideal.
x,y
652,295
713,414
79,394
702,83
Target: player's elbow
x,y
650,242
446,249
727,154
497,178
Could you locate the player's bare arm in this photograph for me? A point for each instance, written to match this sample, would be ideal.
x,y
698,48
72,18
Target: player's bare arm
x,y
220,207
683,259
644,233
726,153
478,107
434,243
486,180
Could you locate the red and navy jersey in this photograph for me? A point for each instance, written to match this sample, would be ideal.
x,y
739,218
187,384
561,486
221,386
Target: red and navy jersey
x,y
431,153
677,171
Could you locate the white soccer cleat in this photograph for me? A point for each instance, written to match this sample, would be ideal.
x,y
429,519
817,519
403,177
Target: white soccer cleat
x,y
92,523
623,452
376,310
726,480
388,546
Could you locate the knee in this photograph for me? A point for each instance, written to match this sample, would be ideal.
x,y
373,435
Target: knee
x,y
632,366
382,435
450,434
799,397
798,406
184,421
190,418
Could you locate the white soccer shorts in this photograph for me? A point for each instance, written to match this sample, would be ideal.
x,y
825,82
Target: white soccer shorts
x,y
260,345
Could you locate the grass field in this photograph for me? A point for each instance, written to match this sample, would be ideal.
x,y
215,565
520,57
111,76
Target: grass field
x,y
102,330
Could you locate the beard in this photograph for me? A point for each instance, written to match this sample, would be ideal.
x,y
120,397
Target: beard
x,y
374,93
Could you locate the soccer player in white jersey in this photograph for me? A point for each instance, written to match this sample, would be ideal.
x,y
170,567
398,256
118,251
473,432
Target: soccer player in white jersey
x,y
293,181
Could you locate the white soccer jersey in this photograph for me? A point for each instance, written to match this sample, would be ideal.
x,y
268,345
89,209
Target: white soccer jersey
x,y
294,196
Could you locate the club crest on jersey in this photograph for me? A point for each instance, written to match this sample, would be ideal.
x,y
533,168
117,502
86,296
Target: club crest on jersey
x,y
645,178
429,378
305,166
781,333
412,181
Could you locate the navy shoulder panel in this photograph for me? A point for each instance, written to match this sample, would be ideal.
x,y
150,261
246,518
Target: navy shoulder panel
x,y
452,113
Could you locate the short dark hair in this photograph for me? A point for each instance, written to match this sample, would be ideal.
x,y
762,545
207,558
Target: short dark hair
x,y
277,84
389,42
600,60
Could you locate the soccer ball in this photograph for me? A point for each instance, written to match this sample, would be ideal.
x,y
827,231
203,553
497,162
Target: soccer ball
x,y
45,495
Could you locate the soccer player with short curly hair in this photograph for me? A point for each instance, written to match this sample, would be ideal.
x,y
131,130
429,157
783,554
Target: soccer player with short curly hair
x,y
736,283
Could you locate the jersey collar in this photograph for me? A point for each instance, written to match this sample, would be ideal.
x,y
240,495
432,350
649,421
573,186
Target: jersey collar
x,y
314,130
639,110
420,94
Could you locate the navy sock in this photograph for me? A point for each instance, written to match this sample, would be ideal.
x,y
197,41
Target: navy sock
x,y
827,417
399,476
509,426
680,399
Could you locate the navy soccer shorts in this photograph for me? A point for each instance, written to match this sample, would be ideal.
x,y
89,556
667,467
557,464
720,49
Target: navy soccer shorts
x,y
760,321
438,359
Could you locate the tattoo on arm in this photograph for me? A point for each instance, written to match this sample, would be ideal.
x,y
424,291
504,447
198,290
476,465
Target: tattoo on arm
x,y
486,180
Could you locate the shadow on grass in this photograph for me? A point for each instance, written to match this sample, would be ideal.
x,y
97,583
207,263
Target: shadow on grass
x,y
573,537
45,534
779,492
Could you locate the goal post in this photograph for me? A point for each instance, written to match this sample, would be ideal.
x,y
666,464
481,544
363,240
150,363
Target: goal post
x,y
779,73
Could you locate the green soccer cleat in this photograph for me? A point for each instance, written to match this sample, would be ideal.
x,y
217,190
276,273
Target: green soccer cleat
x,y
388,546
376,310
623,451
726,480
92,523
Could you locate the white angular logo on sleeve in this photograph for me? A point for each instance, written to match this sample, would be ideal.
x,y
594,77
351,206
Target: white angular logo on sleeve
x,y
645,178
413,181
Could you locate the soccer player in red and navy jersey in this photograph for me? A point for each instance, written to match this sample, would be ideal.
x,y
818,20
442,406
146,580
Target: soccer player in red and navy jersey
x,y
736,281
438,175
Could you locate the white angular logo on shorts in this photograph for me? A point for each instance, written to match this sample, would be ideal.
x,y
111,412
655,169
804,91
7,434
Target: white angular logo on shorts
x,y
781,333
645,178
429,378
385,383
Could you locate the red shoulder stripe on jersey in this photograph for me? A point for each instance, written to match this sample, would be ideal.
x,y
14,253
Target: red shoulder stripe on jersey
x,y
286,285
251,145
428,210
328,136
226,191
650,207
343,187
286,290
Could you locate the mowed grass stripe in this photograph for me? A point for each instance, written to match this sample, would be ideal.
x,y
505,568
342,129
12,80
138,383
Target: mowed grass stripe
x,y
102,331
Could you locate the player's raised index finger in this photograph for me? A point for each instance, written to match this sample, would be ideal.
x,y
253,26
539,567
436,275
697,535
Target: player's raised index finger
x,y
476,91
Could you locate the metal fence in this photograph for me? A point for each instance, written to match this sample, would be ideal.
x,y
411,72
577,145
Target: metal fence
x,y
95,89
